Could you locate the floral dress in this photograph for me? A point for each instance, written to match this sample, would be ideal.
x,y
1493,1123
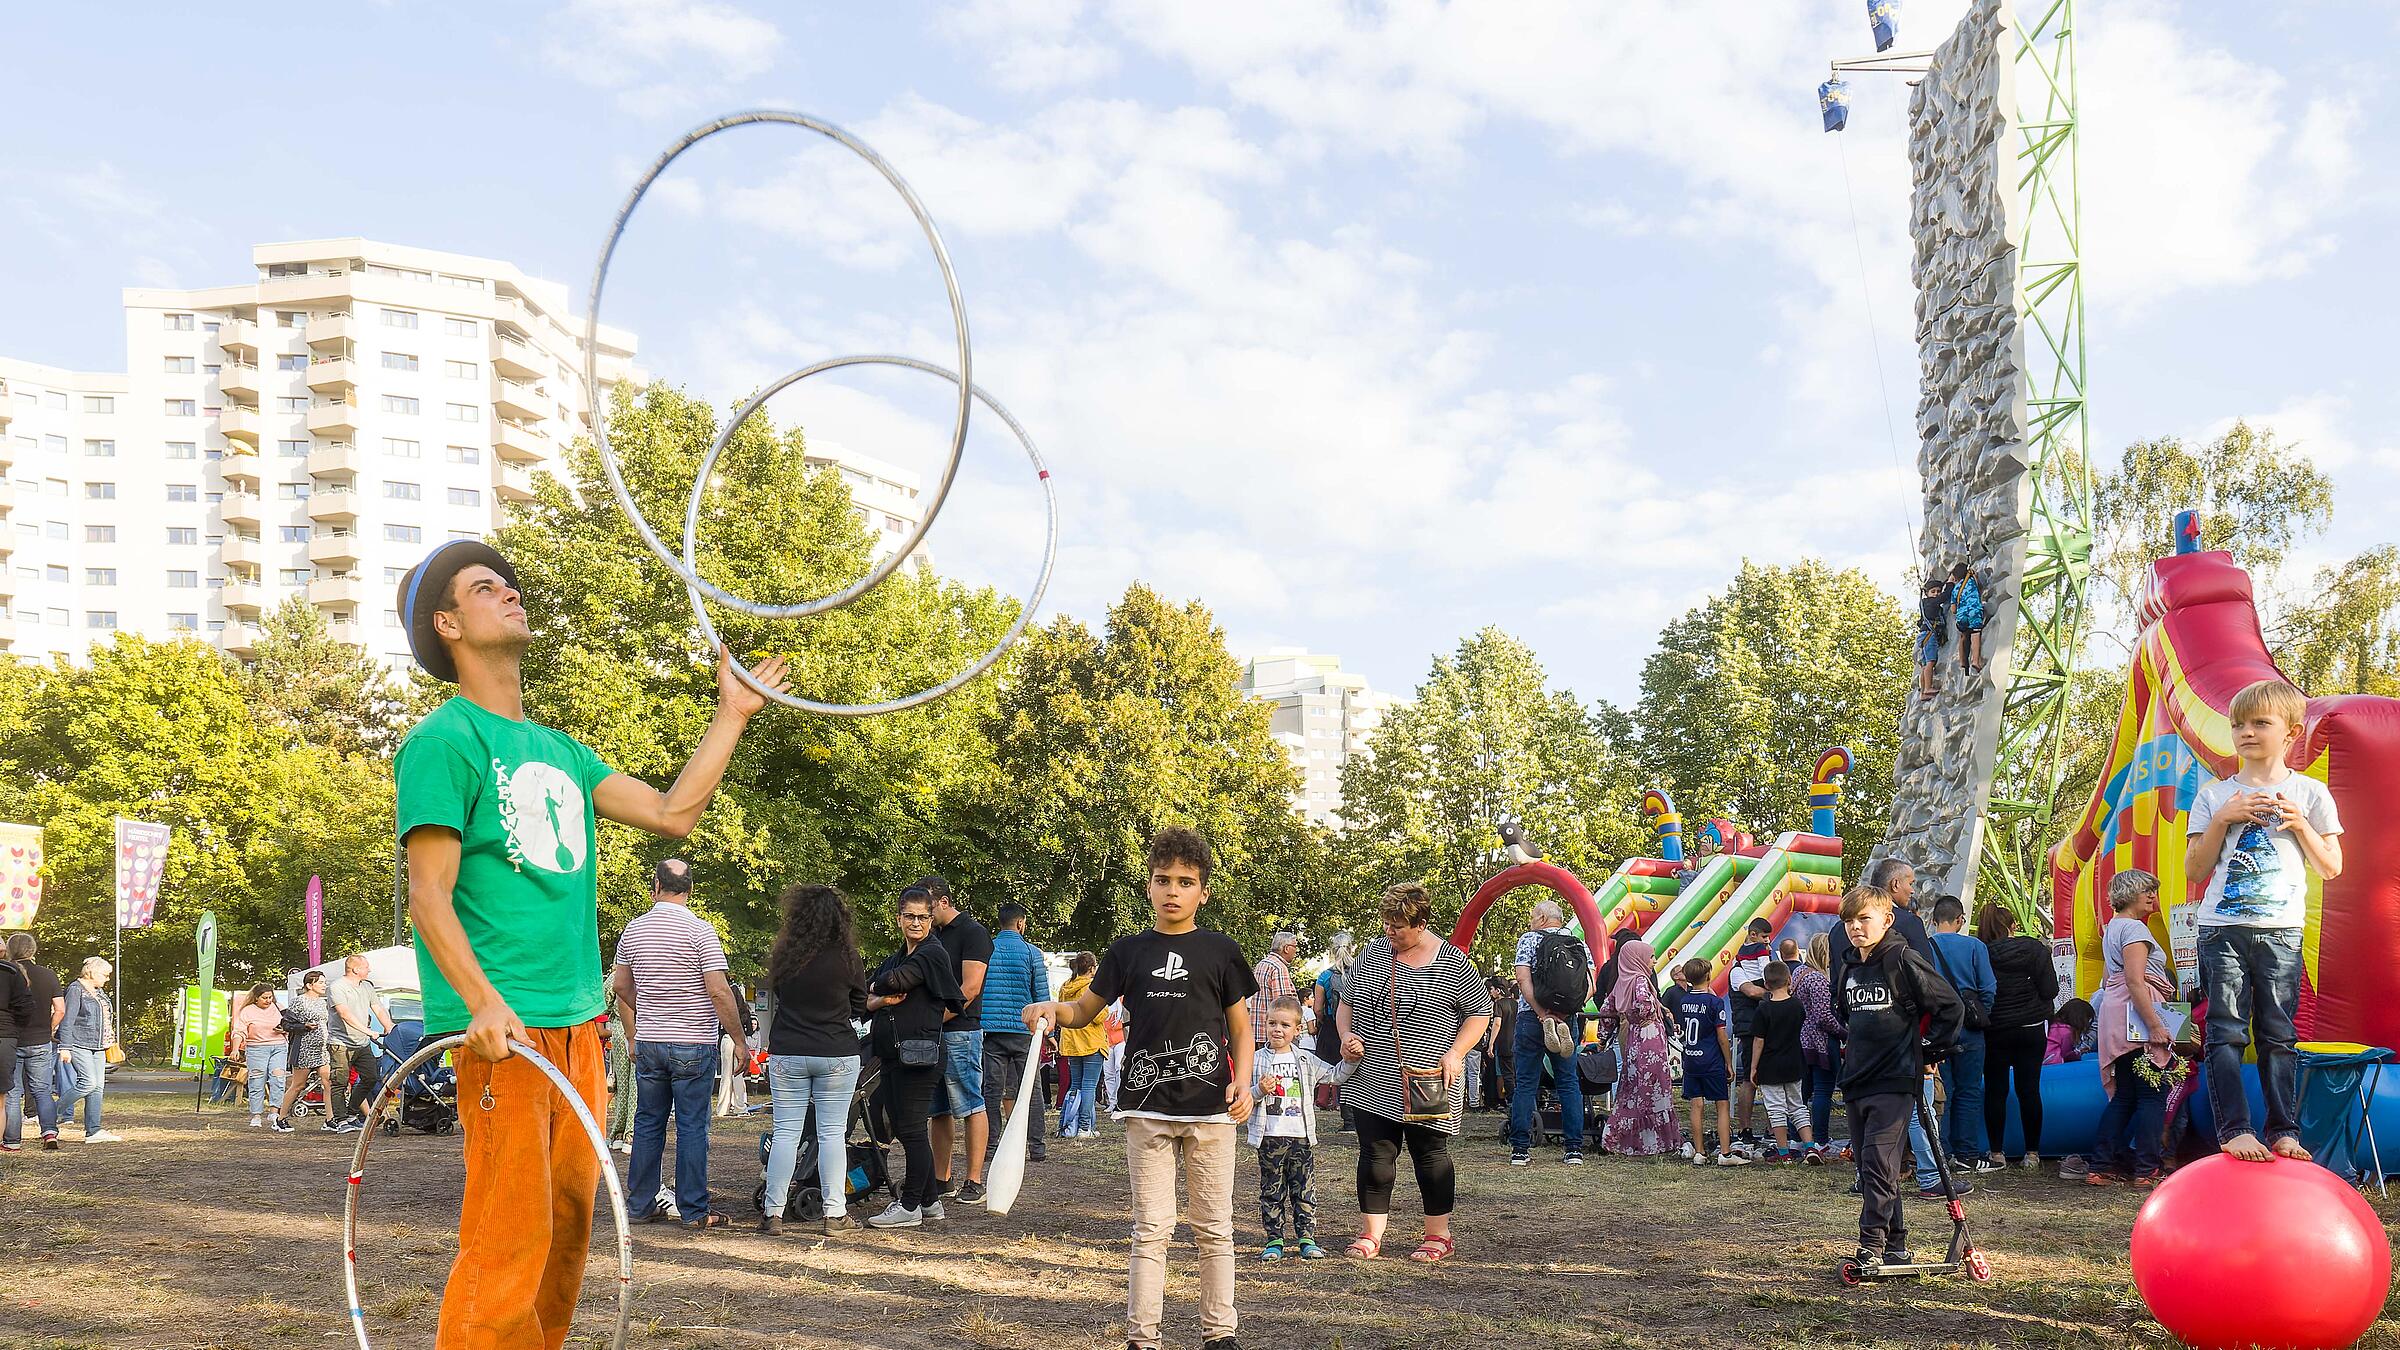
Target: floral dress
x,y
308,1051
1642,1124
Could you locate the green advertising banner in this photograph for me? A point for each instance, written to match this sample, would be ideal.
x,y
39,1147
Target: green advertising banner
x,y
197,1046
205,935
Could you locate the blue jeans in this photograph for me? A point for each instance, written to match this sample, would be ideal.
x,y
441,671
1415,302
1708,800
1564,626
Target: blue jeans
x,y
960,1093
265,1063
2252,976
1081,1113
1929,1172
30,1077
1963,1130
1821,1083
683,1077
82,1077
2138,1106
799,1083
1531,1052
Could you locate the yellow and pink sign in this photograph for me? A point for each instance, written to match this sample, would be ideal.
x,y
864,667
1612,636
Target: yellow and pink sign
x,y
20,874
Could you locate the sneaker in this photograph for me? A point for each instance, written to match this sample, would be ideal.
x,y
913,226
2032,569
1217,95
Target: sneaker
x,y
1688,1150
1852,1189
971,1193
1573,1159
1899,1256
1867,1258
1518,1157
1557,1037
2031,1162
1698,1159
833,1225
1961,1166
934,1210
1935,1192
1989,1165
623,1146
1220,1343
11,1148
279,1125
2150,1178
332,1126
256,1121
50,1141
351,1126
898,1216
1732,1160
2099,1178
2074,1167
1814,1157
1310,1251
771,1225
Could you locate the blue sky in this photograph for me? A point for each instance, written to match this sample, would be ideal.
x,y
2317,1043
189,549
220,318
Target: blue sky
x,y
1370,324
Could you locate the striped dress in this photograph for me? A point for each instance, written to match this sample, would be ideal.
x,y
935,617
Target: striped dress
x,y
1432,1005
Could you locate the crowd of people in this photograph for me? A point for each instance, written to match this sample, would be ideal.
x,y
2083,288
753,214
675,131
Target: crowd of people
x,y
56,1042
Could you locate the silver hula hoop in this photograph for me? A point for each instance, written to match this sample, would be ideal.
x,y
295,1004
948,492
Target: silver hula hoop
x,y
591,1128
599,405
1041,585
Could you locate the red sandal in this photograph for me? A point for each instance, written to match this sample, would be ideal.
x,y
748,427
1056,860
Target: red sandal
x,y
1433,1249
1363,1248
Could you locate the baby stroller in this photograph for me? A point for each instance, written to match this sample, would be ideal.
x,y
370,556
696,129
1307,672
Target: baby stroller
x,y
429,1097
866,1138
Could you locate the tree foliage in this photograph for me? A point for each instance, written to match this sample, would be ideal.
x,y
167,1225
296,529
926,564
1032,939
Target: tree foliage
x,y
317,689
2256,497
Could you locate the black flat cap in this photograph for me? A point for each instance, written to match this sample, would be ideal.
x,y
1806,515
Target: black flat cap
x,y
421,593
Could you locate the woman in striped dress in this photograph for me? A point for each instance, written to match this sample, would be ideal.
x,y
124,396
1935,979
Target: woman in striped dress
x,y
1411,1001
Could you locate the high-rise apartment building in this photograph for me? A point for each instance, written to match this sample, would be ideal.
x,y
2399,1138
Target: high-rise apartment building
x,y
885,494
1322,718
310,432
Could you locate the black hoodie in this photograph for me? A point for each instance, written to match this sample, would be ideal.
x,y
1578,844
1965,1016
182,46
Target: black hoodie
x,y
1901,1017
2028,982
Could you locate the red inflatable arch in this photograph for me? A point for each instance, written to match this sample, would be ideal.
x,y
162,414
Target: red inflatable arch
x,y
1558,881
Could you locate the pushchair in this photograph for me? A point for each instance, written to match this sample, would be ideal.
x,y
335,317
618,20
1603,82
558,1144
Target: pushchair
x,y
867,1138
428,1099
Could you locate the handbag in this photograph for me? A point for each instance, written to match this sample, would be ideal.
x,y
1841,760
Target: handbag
x,y
114,1052
920,1052
1424,1093
230,1069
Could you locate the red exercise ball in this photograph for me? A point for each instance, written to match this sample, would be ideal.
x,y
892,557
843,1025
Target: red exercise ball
x,y
2282,1255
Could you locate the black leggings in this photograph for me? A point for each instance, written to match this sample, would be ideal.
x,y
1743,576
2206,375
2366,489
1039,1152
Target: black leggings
x,y
907,1097
1379,1143
2017,1051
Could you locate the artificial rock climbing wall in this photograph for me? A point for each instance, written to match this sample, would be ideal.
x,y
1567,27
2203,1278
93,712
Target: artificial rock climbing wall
x,y
1971,430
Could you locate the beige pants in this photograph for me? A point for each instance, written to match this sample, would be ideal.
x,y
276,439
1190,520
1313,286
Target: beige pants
x,y
1153,1149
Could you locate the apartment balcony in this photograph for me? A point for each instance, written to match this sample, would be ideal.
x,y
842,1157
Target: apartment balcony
x,y
237,335
338,549
517,359
331,332
8,633
335,457
240,551
240,465
239,508
238,639
516,441
334,417
243,598
306,289
239,379
238,424
523,402
8,495
7,546
345,591
337,507
345,629
513,482
332,375
5,415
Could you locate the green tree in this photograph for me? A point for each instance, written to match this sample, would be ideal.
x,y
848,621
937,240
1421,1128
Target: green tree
x,y
1101,738
1485,740
2256,497
1744,691
2345,638
322,691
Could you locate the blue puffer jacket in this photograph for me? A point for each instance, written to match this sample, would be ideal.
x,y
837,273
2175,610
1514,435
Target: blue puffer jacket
x,y
1015,978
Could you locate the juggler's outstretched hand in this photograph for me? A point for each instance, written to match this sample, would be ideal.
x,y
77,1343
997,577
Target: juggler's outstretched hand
x,y
740,699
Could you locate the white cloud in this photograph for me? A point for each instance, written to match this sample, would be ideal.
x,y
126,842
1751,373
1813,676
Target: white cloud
x,y
658,56
1032,46
97,202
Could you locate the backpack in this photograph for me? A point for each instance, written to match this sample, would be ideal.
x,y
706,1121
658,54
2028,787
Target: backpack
x,y
1561,974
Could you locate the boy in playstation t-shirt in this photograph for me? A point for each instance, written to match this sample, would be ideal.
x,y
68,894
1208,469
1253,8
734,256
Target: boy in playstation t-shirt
x,y
1185,1085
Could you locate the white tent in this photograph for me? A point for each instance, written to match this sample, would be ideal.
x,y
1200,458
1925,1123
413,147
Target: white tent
x,y
393,969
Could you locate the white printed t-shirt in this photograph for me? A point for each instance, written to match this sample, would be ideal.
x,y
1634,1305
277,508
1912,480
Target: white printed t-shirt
x,y
2261,876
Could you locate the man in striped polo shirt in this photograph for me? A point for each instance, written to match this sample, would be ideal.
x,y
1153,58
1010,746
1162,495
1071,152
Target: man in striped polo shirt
x,y
670,977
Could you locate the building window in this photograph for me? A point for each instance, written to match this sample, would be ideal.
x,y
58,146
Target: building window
x,y
466,497
466,454
54,400
293,576
183,581
55,529
57,616
99,534
399,318
100,492
184,623
298,269
291,449
292,405
464,412
100,618
99,576
291,318
100,449
182,365
393,575
403,534
180,323
391,618
292,361
462,370
99,403
55,487
56,445
403,492
183,407
183,534
55,573
292,492
399,448
459,327
292,534
395,403
183,450
183,492
399,361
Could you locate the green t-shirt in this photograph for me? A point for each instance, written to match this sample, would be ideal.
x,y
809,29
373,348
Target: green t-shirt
x,y
519,795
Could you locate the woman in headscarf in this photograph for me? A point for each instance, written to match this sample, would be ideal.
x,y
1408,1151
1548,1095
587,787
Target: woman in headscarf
x,y
1643,1123
1606,981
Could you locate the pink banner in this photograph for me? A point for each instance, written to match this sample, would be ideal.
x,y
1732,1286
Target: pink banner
x,y
20,874
141,864
315,905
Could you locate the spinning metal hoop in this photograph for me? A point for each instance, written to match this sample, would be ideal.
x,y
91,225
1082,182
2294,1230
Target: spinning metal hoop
x,y
1041,585
591,1128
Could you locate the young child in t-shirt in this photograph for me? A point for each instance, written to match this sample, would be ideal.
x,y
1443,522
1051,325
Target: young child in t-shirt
x,y
1707,1047
1186,1082
2257,835
1283,1128
1775,1066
